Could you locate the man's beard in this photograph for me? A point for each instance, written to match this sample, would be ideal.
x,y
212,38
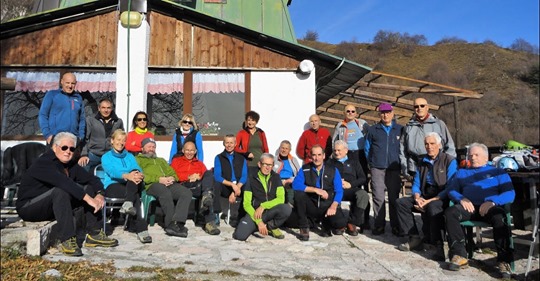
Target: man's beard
x,y
149,154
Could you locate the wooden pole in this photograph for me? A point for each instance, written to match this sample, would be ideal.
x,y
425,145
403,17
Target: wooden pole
x,y
457,123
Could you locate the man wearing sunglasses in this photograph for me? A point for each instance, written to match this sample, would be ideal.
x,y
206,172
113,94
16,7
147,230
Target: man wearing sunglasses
x,y
62,110
412,139
54,186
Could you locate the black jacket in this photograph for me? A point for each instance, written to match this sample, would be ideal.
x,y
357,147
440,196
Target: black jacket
x,y
48,172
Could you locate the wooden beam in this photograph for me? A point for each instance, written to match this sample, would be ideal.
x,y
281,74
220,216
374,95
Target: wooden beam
x,y
8,84
379,97
340,112
461,92
397,110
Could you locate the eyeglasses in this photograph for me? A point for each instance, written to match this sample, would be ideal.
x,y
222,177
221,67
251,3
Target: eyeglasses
x,y
267,164
420,106
65,147
187,122
351,111
142,119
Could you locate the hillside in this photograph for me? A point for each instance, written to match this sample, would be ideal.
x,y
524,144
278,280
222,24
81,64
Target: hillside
x,y
507,78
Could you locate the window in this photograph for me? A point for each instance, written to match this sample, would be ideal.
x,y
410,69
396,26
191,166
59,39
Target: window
x,y
21,107
218,102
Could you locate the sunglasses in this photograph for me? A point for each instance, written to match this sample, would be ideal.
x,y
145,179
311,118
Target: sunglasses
x,y
420,106
65,147
187,122
351,111
142,119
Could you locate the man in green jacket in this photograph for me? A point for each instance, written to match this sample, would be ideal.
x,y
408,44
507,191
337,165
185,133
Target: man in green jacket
x,y
161,181
264,202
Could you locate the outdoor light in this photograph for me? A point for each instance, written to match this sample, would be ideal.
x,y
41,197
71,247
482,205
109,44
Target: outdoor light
x,y
132,19
306,67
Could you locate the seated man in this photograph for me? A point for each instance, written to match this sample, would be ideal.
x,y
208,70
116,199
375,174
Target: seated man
x,y
54,186
353,178
287,167
318,192
230,174
193,174
161,181
428,197
480,193
264,202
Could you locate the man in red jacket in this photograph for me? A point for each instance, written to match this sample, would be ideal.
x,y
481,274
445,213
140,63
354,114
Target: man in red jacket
x,y
193,174
312,136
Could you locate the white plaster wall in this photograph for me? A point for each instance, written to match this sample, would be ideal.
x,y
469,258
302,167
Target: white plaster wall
x,y
138,71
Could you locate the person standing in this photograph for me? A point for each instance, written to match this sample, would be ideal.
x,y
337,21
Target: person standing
x,y
187,131
412,139
139,133
312,136
62,110
251,140
264,202
98,134
54,186
382,153
287,167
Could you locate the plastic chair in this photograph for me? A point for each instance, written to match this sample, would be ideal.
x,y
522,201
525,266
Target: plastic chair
x,y
146,201
469,241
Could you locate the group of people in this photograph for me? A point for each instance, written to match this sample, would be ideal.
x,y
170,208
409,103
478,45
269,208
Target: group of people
x,y
264,191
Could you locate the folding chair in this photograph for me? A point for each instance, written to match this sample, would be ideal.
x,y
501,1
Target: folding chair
x,y
110,203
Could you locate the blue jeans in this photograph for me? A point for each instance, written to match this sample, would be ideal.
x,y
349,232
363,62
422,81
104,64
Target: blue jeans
x,y
93,161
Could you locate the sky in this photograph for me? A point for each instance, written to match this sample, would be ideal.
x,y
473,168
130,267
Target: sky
x,y
472,20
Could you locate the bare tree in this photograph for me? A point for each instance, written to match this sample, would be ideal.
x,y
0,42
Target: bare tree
x,y
311,35
522,45
15,8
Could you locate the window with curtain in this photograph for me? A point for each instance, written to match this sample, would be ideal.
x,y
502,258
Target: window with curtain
x,y
165,101
218,102
20,108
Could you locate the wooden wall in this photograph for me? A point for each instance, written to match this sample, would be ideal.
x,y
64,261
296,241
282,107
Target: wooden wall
x,y
86,42
174,43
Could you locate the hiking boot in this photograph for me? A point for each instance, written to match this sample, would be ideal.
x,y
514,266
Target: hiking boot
x,y
100,240
174,229
338,231
457,263
70,247
211,229
304,234
144,237
276,233
395,231
505,270
128,209
351,229
414,243
439,252
206,202
325,232
233,222
378,230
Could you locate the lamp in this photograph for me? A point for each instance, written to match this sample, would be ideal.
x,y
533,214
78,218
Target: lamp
x,y
306,67
132,19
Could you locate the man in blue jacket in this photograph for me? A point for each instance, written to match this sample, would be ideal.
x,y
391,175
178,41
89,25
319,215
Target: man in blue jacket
x,y
62,110
480,193
382,153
